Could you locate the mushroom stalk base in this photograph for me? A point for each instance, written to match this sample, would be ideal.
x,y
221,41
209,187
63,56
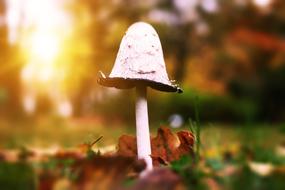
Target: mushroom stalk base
x,y
142,127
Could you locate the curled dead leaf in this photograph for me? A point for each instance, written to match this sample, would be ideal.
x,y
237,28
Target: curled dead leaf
x,y
166,146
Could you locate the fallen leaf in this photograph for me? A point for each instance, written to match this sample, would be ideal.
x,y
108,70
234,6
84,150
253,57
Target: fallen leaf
x,y
166,146
103,172
127,146
98,172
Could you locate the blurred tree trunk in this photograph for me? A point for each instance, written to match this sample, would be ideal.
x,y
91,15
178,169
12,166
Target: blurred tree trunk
x,y
182,52
10,88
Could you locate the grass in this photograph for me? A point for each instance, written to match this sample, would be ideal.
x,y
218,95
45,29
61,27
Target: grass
x,y
17,176
216,143
46,132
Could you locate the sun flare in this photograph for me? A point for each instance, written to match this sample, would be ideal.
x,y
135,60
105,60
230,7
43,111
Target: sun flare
x,y
44,46
43,25
40,28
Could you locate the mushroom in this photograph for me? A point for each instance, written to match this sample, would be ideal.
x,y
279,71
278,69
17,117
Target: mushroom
x,y
140,64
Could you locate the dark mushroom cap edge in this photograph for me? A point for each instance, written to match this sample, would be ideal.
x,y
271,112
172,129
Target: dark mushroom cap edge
x,y
127,83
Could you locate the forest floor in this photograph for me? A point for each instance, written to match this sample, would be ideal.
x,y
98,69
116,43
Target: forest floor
x,y
230,157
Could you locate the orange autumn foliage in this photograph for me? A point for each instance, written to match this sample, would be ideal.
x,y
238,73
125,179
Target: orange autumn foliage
x,y
263,40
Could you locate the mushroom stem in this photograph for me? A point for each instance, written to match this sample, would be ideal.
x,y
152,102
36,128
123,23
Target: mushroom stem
x,y
142,127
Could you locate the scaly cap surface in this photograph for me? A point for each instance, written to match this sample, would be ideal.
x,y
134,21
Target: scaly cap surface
x,y
140,61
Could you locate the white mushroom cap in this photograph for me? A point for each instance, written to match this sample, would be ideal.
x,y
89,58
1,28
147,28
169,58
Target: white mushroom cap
x,y
140,61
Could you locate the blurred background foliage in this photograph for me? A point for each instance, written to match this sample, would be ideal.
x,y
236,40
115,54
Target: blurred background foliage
x,y
228,53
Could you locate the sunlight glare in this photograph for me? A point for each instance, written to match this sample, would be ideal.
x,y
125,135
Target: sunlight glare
x,y
29,103
42,39
46,74
37,74
44,46
40,28
27,74
64,108
12,19
262,3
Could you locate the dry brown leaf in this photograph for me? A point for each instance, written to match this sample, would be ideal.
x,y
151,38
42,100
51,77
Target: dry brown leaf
x,y
127,146
103,172
98,172
165,146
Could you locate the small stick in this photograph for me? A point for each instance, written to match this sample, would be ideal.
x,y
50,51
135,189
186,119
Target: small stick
x,y
97,140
